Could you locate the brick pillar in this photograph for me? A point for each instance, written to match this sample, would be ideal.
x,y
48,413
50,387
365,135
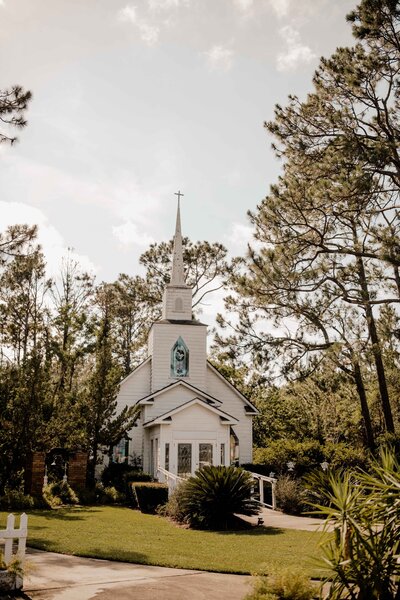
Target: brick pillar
x,y
34,473
77,469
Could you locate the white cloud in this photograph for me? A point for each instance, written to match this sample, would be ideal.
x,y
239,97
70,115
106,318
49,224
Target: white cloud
x,y
165,4
219,58
128,13
238,238
296,53
244,5
128,234
280,7
148,32
50,239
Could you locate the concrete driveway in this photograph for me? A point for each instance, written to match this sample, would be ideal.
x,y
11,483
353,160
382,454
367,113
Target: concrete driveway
x,y
55,576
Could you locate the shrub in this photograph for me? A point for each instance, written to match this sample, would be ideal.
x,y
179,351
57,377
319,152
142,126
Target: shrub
x,y
120,475
150,495
58,493
175,507
214,495
290,495
283,585
363,552
307,456
109,495
16,500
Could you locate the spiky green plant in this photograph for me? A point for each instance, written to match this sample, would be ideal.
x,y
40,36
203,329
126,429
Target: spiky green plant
x,y
363,554
214,495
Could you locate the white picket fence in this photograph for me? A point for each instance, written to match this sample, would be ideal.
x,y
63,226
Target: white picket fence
x,y
8,535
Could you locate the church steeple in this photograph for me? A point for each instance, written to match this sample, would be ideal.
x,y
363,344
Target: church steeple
x,y
177,299
178,275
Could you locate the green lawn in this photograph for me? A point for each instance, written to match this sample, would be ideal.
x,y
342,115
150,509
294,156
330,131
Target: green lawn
x,y
128,535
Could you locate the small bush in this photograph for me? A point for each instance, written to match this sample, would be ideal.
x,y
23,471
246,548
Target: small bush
x,y
109,495
59,493
290,495
16,500
212,498
175,507
150,495
283,585
120,475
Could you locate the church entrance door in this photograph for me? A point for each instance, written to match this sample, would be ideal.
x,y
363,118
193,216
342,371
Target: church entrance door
x,y
193,456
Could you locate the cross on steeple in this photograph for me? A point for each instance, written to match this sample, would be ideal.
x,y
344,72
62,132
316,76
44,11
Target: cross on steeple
x,y
178,193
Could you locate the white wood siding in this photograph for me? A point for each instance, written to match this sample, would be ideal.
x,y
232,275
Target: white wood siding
x,y
233,405
161,340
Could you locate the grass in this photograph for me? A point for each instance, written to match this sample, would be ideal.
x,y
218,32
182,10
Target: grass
x,y
123,534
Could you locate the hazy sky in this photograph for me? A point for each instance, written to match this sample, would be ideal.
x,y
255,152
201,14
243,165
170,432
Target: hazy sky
x,y
133,101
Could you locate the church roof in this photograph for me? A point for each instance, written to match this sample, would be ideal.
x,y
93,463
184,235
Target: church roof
x,y
148,399
180,322
165,419
250,408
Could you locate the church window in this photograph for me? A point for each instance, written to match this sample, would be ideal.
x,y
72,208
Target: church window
x,y
166,461
184,460
120,451
222,461
178,305
205,455
179,359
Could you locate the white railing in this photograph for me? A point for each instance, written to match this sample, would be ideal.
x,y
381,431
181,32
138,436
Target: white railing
x,y
260,480
169,478
7,537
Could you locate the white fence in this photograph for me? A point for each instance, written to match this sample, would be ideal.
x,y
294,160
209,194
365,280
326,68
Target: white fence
x,y
8,535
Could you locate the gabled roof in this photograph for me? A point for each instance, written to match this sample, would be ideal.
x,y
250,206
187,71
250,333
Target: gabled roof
x,y
166,418
136,369
250,408
149,399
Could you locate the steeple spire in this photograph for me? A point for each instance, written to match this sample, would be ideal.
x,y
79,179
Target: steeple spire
x,y
178,275
177,298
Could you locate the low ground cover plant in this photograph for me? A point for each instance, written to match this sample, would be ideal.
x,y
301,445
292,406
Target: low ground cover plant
x,y
16,500
286,584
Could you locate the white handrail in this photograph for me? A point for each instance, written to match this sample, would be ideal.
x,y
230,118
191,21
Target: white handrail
x,y
272,481
171,479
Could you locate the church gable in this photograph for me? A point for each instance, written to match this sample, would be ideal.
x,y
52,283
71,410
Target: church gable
x,y
219,386
193,407
136,385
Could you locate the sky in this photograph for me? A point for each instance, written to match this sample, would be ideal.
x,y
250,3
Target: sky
x,y
133,101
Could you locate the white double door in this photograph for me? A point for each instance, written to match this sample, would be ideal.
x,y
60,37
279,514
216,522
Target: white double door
x,y
192,455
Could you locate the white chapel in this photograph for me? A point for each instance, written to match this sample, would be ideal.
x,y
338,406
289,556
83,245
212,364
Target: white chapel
x,y
190,415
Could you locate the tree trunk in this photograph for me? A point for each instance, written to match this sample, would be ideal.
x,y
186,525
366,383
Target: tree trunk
x,y
368,432
376,347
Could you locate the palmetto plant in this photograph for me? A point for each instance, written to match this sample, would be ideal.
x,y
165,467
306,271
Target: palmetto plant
x,y
363,554
215,494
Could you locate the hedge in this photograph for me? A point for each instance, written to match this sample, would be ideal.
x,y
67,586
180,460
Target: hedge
x,y
149,495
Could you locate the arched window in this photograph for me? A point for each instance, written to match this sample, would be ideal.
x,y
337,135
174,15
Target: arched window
x,y
179,359
178,305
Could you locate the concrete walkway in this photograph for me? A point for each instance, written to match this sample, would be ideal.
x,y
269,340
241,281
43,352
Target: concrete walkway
x,y
62,577
53,576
